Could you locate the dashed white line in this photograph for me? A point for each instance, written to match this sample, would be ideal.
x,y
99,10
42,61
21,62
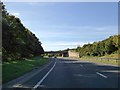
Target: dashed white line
x,y
37,85
101,74
81,65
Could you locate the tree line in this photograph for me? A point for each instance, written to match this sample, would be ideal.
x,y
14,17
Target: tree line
x,y
17,41
108,46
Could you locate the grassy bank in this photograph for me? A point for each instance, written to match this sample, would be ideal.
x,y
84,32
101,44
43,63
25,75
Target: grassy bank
x,y
14,69
103,60
0,67
0,53
111,56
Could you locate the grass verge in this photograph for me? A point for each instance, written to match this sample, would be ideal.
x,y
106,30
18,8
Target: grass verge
x,y
102,61
0,53
14,69
98,59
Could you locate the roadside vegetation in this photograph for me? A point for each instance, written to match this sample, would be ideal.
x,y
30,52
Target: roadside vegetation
x,y
108,59
105,47
109,48
111,56
21,49
101,60
14,69
17,41
106,51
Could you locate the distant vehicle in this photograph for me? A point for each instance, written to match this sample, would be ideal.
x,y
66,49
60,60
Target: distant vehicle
x,y
55,57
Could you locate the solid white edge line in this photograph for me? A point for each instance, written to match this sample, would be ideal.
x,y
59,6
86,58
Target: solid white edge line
x,y
101,74
19,83
44,77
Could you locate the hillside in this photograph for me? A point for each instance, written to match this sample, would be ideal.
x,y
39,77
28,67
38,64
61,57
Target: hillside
x,y
17,41
101,48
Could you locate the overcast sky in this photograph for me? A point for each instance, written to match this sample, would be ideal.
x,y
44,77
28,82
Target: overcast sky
x,y
67,25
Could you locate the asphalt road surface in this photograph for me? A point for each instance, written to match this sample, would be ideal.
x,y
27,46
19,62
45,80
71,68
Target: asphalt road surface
x,y
62,73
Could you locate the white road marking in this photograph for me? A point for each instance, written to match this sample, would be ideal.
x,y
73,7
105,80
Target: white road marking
x,y
69,62
101,74
44,77
84,75
111,71
18,84
81,65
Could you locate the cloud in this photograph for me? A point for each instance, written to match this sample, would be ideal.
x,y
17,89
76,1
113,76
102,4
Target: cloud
x,y
32,3
60,0
67,31
15,14
49,46
63,43
41,3
63,37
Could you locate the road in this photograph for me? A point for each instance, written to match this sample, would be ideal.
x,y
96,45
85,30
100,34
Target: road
x,y
62,73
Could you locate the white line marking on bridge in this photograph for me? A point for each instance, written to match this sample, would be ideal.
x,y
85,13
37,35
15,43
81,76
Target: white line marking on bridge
x,y
101,74
39,83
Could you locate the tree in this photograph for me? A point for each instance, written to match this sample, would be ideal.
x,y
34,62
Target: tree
x,y
18,41
107,46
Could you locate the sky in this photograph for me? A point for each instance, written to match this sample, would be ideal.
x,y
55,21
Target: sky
x,y
63,25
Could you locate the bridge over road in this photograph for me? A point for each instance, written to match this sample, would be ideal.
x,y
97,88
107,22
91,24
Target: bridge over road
x,y
65,53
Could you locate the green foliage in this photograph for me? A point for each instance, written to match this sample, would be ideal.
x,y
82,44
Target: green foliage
x,y
101,48
14,69
18,42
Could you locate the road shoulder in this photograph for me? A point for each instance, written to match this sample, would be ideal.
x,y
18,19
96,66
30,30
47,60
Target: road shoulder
x,y
26,76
